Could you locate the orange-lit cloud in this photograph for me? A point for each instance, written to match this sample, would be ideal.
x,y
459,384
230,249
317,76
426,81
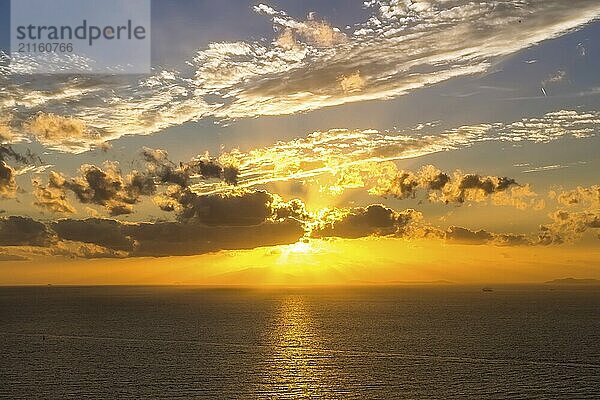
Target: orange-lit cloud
x,y
59,132
355,156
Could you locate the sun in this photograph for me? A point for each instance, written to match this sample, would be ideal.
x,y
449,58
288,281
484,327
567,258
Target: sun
x,y
301,248
300,251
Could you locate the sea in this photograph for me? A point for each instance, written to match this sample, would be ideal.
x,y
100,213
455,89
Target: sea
x,y
397,342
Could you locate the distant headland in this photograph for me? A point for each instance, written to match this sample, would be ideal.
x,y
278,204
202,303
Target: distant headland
x,y
574,281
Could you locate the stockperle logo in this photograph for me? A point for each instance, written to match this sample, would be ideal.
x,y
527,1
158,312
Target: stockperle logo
x,y
79,36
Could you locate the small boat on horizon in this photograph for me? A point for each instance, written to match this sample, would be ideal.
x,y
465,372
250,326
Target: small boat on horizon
x,y
487,289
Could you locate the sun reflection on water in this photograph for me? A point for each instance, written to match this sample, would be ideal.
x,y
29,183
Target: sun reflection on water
x,y
295,340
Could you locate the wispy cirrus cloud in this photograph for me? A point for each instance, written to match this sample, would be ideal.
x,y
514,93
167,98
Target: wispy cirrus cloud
x,y
309,65
341,152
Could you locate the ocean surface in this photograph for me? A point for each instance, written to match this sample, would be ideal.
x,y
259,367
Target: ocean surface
x,y
320,343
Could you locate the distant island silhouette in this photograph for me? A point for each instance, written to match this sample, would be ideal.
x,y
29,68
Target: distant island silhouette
x,y
393,283
574,281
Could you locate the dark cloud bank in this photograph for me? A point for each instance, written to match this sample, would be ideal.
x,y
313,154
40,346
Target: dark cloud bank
x,y
206,224
247,221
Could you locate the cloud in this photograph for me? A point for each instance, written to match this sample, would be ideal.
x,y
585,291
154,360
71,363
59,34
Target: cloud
x,y
521,197
466,236
309,65
234,209
582,215
555,78
168,172
52,197
12,257
352,83
23,237
84,250
101,238
210,223
545,168
354,156
106,233
567,227
60,133
173,238
6,131
7,152
552,126
266,10
458,188
24,231
379,220
580,196
117,192
293,35
8,184
294,209
249,219
402,186
473,187
420,49
511,239
237,208
205,223
102,186
223,191
296,34
376,220
463,235
287,40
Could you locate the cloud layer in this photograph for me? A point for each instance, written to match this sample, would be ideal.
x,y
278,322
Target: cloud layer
x,y
308,65
342,152
249,219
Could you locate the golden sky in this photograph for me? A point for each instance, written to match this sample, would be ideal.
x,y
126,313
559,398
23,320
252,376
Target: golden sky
x,y
431,141
331,262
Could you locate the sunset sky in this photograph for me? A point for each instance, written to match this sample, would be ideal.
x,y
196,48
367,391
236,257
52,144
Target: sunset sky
x,y
315,142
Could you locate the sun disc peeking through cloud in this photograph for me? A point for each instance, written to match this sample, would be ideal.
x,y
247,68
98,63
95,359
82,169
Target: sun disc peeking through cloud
x,y
298,252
